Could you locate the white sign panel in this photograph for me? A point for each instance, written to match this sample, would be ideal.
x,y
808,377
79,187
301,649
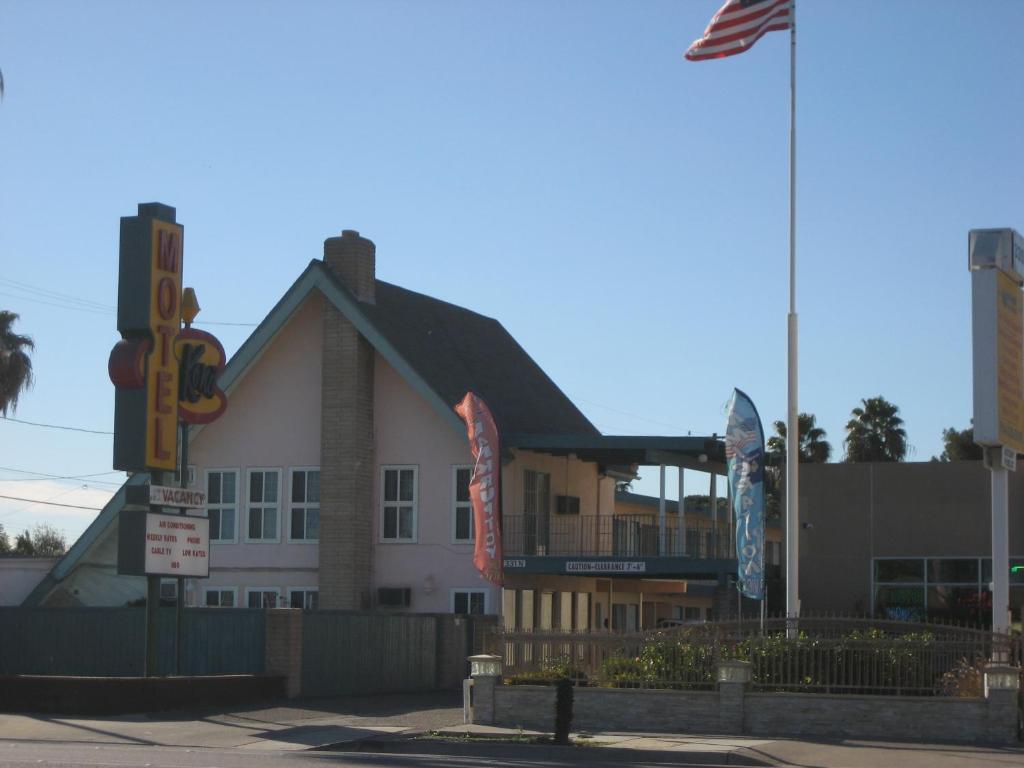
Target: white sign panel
x,y
169,496
1009,459
177,545
604,566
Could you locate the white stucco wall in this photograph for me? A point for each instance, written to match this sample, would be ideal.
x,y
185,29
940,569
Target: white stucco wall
x,y
20,575
410,432
272,422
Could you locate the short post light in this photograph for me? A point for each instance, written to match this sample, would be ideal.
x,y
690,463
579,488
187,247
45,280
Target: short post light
x,y
478,692
484,665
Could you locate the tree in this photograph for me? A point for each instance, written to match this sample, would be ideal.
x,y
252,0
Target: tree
x,y
23,544
43,541
48,541
5,544
875,433
15,364
959,445
812,445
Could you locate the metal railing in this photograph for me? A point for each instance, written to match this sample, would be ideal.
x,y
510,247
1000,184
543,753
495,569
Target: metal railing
x,y
614,535
827,655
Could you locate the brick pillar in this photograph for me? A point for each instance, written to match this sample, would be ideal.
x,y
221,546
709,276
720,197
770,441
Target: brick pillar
x,y
283,647
1001,684
733,679
347,459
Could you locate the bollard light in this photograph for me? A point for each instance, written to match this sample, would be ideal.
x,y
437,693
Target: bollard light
x,y
1001,678
484,665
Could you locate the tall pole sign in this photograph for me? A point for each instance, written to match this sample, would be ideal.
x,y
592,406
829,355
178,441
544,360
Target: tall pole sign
x,y
996,261
164,376
142,365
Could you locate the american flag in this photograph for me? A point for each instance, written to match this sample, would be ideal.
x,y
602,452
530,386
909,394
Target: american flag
x,y
738,25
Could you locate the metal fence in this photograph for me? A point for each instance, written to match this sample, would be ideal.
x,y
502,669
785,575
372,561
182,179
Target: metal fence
x,y
823,655
618,536
345,652
112,641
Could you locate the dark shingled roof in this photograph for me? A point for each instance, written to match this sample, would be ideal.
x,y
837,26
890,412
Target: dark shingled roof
x,y
456,350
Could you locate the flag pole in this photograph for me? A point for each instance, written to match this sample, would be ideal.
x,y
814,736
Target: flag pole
x,y
793,425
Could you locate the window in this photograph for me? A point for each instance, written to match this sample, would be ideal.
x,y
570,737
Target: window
x,y
260,597
398,504
168,592
221,597
941,588
462,515
536,510
221,503
305,510
304,597
263,503
469,601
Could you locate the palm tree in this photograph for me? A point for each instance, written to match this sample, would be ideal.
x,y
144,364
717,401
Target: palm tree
x,y
875,433
15,364
813,447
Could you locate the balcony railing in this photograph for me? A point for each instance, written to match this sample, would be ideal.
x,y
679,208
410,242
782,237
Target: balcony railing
x,y
616,536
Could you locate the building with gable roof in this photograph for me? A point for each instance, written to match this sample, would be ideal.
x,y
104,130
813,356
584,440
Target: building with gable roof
x,y
337,478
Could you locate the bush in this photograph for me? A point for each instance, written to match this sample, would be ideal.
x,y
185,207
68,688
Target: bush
x,y
550,672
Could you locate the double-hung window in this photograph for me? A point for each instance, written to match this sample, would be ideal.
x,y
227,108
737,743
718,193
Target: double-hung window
x,y
220,597
221,503
262,597
472,601
305,507
398,504
462,512
304,597
263,505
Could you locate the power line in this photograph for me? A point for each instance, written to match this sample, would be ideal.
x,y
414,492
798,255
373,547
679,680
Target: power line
x,y
37,476
50,503
60,477
57,426
65,301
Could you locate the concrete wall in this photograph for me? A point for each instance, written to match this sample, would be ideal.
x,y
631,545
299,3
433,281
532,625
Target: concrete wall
x,y
734,710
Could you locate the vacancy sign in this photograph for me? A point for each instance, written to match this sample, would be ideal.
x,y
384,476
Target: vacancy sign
x,y
177,545
169,496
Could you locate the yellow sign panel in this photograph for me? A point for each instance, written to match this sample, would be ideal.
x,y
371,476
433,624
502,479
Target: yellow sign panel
x,y
1010,362
164,323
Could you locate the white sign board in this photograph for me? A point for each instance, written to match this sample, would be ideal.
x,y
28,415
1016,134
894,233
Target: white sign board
x,y
177,545
1009,459
169,496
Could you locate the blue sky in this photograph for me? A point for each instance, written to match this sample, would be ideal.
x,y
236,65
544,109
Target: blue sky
x,y
556,165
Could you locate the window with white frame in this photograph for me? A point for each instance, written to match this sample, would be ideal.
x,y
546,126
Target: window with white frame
x,y
168,591
220,597
263,505
305,507
462,512
262,597
304,597
472,601
398,503
222,503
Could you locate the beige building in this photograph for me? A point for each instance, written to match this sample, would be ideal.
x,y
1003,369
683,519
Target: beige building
x,y
907,540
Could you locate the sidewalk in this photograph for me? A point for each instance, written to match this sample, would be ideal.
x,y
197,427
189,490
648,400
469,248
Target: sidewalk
x,y
432,723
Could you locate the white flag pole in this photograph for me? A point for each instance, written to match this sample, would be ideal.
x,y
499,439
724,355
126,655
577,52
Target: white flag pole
x,y
793,414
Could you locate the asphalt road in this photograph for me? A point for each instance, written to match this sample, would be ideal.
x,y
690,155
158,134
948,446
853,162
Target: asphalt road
x,y
57,755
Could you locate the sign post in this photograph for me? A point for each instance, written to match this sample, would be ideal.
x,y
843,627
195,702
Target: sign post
x,y
996,262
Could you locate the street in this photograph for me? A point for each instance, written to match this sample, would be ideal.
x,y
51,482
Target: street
x,y
53,754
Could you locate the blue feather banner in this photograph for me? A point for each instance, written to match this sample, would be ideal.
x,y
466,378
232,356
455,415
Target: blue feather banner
x,y
744,454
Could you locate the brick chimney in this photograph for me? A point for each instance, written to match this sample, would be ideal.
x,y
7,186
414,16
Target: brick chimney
x,y
347,455
353,259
